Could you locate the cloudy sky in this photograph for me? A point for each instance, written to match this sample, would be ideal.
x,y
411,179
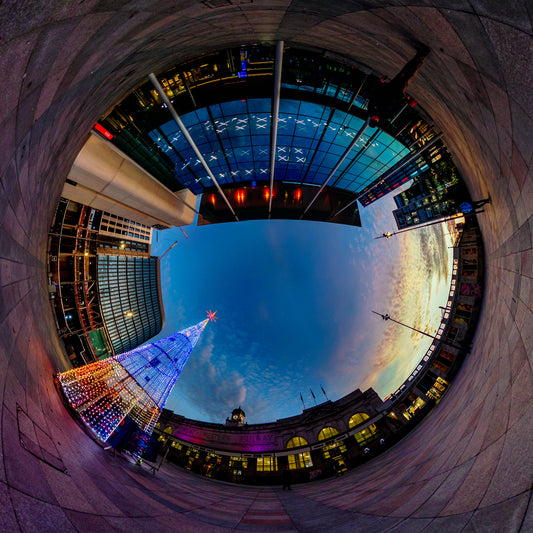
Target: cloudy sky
x,y
294,300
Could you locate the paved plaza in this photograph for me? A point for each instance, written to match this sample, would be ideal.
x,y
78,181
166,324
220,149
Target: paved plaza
x,y
469,466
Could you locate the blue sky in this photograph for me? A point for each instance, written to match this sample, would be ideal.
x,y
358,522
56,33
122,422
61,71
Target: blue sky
x,y
294,300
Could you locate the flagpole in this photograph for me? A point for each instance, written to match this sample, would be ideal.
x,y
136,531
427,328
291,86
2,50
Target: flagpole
x,y
312,394
324,393
301,398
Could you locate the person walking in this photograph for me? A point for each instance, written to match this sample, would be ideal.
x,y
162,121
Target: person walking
x,y
474,205
286,478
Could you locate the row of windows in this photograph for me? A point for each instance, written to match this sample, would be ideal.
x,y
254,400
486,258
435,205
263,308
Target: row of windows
x,y
125,233
124,227
303,459
112,224
130,277
113,218
328,432
300,460
267,464
129,298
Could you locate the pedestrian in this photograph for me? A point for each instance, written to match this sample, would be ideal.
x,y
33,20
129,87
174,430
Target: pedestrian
x,y
286,478
388,96
468,207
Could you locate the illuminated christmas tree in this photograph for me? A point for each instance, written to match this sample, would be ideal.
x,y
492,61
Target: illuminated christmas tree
x,y
135,384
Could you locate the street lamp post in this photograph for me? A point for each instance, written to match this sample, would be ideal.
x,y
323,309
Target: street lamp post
x,y
389,234
387,317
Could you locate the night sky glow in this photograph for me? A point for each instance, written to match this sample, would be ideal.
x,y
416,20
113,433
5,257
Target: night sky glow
x,y
294,301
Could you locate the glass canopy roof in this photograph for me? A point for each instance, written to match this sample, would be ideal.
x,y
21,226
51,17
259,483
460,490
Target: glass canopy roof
x,y
234,138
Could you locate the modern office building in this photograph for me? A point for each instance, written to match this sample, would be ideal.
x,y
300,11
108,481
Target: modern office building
x,y
417,206
441,178
468,466
103,283
130,298
424,209
421,165
308,146
436,193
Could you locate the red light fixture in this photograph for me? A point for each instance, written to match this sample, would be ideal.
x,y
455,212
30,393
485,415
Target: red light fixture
x,y
240,196
103,131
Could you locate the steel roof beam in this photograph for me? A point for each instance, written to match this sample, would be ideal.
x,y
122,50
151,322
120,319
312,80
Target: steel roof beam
x,y
339,162
275,115
190,140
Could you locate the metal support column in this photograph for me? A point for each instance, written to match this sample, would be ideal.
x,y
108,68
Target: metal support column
x,y
275,115
190,140
356,94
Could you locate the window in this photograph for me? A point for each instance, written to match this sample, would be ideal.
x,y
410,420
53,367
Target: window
x,y
327,432
193,452
357,419
366,435
296,442
299,460
129,284
166,431
331,450
267,464
334,450
238,462
438,389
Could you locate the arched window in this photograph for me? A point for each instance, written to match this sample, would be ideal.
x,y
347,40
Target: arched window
x,y
296,442
332,451
366,435
327,432
299,460
357,419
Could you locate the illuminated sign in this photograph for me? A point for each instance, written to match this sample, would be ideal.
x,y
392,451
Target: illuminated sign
x,y
103,131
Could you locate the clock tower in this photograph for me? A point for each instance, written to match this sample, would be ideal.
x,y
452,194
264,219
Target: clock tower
x,y
237,418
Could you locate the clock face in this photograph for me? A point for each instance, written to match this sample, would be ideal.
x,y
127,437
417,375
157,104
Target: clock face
x,y
235,417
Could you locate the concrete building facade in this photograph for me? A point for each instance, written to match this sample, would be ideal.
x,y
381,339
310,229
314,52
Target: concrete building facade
x,y
106,179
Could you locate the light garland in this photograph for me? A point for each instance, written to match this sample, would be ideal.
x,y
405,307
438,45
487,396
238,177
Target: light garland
x,y
135,384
